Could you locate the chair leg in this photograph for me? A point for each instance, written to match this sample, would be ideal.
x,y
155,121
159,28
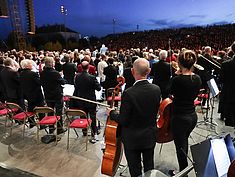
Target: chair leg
x,y
24,127
76,132
86,140
11,127
68,138
6,124
56,138
160,151
38,133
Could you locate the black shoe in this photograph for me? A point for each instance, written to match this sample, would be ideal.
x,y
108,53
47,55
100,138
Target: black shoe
x,y
19,122
51,130
84,132
172,172
61,130
43,127
98,132
93,141
31,125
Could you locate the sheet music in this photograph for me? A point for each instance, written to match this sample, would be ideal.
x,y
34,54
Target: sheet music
x,y
221,156
213,87
68,89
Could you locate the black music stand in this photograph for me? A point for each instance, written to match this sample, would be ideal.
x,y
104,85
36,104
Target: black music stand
x,y
208,161
213,92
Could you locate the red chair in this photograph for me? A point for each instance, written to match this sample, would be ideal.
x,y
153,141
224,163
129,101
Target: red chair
x,y
83,122
51,119
23,116
3,113
66,100
201,96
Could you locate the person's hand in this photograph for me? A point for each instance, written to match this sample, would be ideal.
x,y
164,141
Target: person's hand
x,y
109,110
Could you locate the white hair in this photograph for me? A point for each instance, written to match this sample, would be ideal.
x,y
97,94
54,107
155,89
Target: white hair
x,y
207,49
25,63
162,54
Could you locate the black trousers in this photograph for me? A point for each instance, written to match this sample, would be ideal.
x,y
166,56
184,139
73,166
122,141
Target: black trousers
x,y
31,105
182,126
92,114
133,157
58,105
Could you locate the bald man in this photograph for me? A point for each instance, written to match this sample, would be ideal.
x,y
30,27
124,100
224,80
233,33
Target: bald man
x,y
137,118
85,86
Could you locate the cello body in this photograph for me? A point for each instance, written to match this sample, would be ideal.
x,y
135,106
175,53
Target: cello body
x,y
113,146
164,133
113,149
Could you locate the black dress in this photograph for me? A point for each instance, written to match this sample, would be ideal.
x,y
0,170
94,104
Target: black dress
x,y
185,89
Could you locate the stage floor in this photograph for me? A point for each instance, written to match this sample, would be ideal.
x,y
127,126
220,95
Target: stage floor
x,y
48,160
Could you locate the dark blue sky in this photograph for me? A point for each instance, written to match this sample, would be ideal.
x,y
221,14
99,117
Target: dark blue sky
x,y
95,17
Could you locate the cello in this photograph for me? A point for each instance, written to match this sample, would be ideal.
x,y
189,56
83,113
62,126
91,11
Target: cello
x,y
164,133
113,147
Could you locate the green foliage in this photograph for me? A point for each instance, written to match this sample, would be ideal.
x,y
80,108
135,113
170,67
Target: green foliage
x,y
50,46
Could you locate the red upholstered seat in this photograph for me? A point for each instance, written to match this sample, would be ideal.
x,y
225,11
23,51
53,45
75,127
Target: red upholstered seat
x,y
203,95
197,102
116,98
49,120
23,115
3,112
80,123
66,98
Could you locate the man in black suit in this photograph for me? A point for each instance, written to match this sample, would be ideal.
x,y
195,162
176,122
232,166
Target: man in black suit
x,y
110,73
227,78
69,69
129,79
85,86
161,71
11,83
137,118
53,91
31,87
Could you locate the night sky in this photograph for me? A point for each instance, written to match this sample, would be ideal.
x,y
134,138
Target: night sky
x,y
95,17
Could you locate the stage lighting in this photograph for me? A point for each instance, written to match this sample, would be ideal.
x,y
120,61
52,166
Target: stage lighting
x,y
30,16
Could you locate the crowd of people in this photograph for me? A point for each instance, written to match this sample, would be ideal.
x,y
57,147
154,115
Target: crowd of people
x,y
218,37
38,77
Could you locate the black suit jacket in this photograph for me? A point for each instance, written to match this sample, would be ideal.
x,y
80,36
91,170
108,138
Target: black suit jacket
x,y
129,79
11,84
227,96
85,86
138,113
31,86
110,73
69,70
161,71
52,84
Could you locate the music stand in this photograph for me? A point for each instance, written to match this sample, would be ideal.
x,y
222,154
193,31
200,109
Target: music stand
x,y
213,157
213,92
